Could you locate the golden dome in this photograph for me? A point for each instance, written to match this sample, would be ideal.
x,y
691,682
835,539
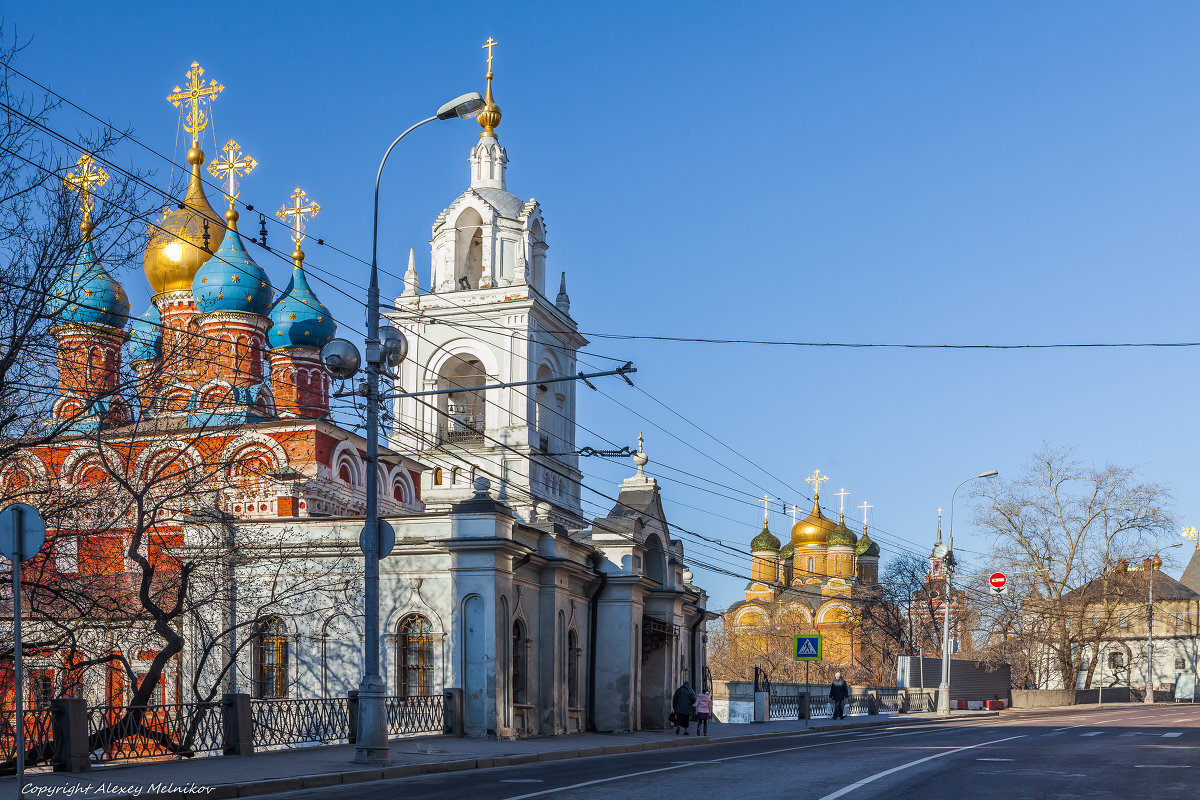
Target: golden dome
x,y
176,248
813,529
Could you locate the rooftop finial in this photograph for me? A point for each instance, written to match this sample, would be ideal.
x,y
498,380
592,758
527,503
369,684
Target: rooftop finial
x,y
85,181
841,494
1192,535
412,284
228,169
640,458
939,541
766,501
195,95
816,479
298,213
489,118
865,507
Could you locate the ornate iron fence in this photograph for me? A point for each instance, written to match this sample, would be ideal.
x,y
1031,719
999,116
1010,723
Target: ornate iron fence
x,y
123,733
39,734
791,706
414,714
284,723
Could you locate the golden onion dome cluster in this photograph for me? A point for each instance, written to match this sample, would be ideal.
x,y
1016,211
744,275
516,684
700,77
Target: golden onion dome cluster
x,y
813,529
176,249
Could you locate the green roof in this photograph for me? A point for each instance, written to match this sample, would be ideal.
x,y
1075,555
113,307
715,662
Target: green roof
x,y
764,541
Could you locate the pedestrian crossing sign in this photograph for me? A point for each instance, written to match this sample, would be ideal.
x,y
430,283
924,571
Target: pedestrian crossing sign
x,y
806,648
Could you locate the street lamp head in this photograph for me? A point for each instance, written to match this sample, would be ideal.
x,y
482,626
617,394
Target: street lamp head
x,y
341,359
464,106
991,473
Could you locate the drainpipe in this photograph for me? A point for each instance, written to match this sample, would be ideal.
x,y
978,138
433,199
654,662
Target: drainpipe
x,y
593,617
692,639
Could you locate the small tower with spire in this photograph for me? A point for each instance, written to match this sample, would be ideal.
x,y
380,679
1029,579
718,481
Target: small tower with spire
x,y
764,551
300,327
90,310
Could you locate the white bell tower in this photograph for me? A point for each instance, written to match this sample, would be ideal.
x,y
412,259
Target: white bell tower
x,y
486,319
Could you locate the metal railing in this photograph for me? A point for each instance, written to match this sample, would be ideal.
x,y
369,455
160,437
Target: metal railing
x,y
406,715
287,723
39,735
887,701
123,733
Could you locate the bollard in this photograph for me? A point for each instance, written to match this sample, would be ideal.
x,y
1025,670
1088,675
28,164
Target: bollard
x,y
70,734
238,724
352,704
762,707
872,702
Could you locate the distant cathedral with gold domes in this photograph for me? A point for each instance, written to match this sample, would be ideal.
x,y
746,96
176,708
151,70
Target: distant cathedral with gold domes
x,y
810,583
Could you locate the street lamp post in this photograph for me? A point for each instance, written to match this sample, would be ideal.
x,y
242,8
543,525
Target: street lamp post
x,y
944,688
1150,627
371,746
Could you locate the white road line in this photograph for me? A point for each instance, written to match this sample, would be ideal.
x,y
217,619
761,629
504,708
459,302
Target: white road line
x,y
995,759
1172,735
858,784
1093,733
1162,766
599,780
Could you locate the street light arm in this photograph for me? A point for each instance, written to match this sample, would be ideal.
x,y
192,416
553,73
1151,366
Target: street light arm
x,y
378,176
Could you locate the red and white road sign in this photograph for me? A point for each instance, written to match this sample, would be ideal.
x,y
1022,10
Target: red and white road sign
x,y
998,581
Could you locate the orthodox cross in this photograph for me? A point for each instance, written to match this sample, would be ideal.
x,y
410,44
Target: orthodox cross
x,y
488,45
816,480
641,441
85,181
793,513
865,507
1192,535
841,494
233,166
766,500
195,95
297,213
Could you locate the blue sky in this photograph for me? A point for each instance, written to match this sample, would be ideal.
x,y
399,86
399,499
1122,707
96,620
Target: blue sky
x,y
933,172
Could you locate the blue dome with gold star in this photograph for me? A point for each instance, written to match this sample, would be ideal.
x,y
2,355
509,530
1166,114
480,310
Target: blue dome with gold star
x,y
231,281
145,340
87,295
299,319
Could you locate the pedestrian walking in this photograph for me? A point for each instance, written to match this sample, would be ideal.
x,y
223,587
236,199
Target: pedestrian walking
x,y
682,704
703,713
838,693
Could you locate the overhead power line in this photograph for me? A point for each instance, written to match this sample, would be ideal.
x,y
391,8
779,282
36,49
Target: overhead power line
x,y
893,345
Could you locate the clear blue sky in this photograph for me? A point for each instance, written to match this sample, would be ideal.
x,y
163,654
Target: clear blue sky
x,y
875,172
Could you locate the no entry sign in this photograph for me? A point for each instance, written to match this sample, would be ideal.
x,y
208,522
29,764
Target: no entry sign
x,y
999,583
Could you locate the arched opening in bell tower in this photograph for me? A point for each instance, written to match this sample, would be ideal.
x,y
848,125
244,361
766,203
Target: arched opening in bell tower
x,y
462,412
468,250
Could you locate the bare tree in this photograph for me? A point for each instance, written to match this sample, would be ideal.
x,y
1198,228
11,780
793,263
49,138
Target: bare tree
x,y
1059,527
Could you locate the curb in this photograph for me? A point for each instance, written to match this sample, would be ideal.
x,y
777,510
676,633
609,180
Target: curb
x,y
318,781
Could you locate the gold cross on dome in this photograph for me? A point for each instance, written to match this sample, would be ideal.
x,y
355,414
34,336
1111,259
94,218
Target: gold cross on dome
x,y
298,212
233,166
841,494
195,95
865,507
488,45
795,510
1192,535
86,181
766,499
816,479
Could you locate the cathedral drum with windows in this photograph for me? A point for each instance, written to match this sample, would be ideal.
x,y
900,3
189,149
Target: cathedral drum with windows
x,y
809,584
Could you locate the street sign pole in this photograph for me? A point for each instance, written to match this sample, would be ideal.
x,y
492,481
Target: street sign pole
x,y
807,696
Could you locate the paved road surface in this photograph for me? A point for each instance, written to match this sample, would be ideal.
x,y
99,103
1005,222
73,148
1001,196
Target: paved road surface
x,y
1135,752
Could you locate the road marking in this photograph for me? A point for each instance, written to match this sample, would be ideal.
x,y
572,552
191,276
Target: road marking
x,y
1162,766
1172,735
995,759
522,780
858,784
1093,733
599,780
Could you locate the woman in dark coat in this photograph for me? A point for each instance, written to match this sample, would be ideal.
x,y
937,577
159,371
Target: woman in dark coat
x,y
681,707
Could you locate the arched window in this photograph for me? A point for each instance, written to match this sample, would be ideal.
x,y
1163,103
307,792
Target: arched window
x,y
414,652
437,477
811,566
520,663
574,654
271,659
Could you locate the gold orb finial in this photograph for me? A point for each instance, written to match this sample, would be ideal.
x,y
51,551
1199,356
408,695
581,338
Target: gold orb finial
x,y
489,118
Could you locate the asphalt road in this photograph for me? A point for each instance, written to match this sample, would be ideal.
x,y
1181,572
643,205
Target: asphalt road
x,y
1135,752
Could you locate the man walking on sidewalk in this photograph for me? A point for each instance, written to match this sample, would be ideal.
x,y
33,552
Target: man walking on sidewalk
x,y
838,693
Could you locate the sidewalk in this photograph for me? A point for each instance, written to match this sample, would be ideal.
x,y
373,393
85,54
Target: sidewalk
x,y
221,777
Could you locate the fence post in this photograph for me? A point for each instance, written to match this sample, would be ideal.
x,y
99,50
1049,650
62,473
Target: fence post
x,y
452,712
237,722
70,734
352,722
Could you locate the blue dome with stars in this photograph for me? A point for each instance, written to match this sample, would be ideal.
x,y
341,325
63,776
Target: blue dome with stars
x,y
231,281
145,340
87,295
299,319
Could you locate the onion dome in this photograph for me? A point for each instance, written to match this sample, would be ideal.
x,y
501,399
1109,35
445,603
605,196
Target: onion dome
x,y
177,248
866,546
299,319
813,529
230,280
842,536
145,340
87,295
764,541
787,551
